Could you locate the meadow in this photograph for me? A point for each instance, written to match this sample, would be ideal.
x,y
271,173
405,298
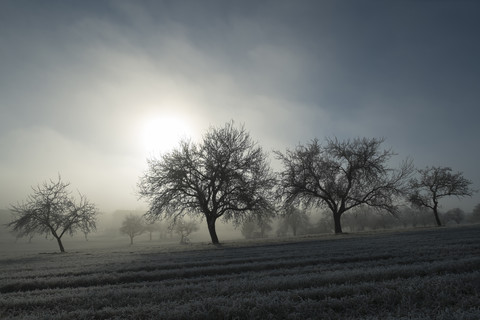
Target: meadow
x,y
417,274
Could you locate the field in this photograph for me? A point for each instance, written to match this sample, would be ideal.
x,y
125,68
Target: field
x,y
431,273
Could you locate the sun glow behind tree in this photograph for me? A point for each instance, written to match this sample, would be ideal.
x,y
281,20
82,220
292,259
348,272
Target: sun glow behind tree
x,y
161,133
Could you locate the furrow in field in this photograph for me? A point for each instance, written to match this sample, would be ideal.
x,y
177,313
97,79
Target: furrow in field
x,y
425,293
188,291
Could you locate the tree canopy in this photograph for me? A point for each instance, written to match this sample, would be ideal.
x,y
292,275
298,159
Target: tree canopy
x,y
226,175
51,209
434,183
342,175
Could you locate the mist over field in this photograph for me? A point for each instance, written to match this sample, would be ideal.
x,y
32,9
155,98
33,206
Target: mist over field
x,y
107,236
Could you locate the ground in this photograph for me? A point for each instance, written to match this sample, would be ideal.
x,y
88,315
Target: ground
x,y
417,274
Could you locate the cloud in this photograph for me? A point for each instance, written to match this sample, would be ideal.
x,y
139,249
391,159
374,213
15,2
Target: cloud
x,y
37,154
83,79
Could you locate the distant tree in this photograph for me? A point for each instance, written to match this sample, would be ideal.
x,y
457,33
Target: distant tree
x,y
325,224
51,209
342,175
457,215
226,176
132,226
248,229
151,228
294,219
358,218
475,216
424,217
256,228
164,230
184,229
408,216
265,226
435,183
382,220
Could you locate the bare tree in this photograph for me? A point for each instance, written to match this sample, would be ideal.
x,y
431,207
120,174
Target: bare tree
x,y
294,219
226,175
342,175
132,226
184,229
51,209
257,228
435,183
151,228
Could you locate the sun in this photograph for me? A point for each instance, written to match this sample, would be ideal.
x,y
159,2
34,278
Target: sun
x,y
161,134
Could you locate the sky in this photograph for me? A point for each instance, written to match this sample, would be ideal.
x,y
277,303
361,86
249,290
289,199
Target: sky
x,y
90,89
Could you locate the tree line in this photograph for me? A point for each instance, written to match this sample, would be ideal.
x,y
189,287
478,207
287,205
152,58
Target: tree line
x,y
134,225
301,222
227,175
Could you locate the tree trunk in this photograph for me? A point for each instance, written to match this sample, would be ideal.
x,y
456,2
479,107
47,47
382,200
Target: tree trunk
x,y
131,240
336,221
60,244
437,218
211,230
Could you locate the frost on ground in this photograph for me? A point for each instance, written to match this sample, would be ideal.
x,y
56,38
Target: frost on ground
x,y
410,275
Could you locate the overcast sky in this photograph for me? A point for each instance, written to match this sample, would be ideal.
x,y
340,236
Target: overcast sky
x,y
85,85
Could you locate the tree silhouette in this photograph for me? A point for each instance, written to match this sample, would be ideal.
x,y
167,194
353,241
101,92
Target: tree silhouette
x,y
225,175
342,175
51,209
435,183
133,226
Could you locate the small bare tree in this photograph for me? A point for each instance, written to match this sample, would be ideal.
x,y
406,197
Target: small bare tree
x,y
435,183
184,229
132,226
51,209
